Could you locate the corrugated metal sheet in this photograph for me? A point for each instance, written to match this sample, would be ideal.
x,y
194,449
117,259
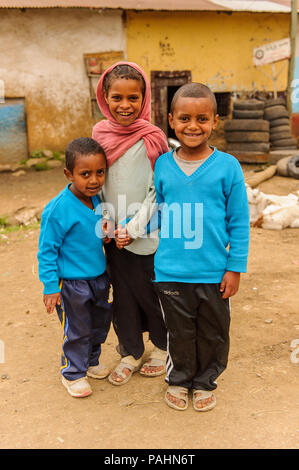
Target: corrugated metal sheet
x,y
203,5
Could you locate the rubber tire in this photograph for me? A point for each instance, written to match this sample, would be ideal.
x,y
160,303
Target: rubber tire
x,y
293,167
248,114
280,136
275,102
279,122
282,166
245,136
248,104
260,147
283,149
276,130
275,112
246,125
290,143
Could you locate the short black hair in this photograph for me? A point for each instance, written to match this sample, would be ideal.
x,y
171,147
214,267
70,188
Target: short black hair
x,y
123,71
81,146
194,90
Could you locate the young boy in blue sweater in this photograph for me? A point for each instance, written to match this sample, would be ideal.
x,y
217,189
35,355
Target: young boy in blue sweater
x,y
72,266
204,210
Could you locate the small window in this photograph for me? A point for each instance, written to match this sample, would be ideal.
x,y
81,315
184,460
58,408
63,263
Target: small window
x,y
223,103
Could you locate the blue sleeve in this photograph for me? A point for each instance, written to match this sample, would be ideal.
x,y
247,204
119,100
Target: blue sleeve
x,y
237,213
51,238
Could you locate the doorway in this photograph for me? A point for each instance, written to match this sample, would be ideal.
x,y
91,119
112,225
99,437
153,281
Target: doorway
x,y
13,135
164,85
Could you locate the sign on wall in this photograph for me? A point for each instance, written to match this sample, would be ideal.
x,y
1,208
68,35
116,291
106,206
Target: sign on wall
x,y
272,52
95,64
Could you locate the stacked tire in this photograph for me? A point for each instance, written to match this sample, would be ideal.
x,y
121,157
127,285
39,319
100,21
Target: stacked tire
x,y
276,113
288,166
247,133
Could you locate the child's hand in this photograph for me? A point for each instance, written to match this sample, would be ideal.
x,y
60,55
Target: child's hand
x,y
122,238
50,301
107,230
230,284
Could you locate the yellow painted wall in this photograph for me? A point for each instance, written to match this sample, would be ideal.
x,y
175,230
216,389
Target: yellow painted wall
x,y
216,47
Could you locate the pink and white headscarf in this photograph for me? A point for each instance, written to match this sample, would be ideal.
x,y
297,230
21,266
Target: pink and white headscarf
x,y
117,139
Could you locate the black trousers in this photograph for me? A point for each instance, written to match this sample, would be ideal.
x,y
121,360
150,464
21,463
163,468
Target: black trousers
x,y
136,307
197,321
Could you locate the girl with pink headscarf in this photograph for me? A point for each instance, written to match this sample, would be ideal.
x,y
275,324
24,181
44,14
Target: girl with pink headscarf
x,y
132,145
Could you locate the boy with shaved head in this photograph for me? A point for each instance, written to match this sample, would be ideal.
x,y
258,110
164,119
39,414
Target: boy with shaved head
x,y
202,250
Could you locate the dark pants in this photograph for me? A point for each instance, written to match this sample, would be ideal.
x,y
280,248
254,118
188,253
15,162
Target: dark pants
x,y
136,306
197,320
85,314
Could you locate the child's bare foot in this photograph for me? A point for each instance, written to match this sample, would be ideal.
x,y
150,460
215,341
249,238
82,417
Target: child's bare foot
x,y
203,400
181,403
123,372
155,365
177,397
118,378
152,370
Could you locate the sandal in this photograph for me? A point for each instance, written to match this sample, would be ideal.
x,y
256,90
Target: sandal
x,y
204,395
157,358
176,392
128,362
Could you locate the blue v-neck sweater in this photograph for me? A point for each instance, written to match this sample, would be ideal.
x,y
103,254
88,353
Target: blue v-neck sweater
x,y
205,220
70,242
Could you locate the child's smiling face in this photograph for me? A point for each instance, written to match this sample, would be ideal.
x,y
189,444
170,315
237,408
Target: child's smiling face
x,y
88,175
193,120
124,99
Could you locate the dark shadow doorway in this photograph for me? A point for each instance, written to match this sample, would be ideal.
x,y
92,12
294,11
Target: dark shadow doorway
x,y
164,85
170,92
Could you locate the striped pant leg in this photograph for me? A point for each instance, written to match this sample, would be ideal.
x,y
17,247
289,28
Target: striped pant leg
x,y
179,307
101,315
213,322
75,316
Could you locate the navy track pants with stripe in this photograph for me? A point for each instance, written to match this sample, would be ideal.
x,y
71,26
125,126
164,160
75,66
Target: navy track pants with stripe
x,y
85,314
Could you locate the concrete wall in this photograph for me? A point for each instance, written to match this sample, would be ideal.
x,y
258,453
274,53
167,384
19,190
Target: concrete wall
x,y
41,54
216,47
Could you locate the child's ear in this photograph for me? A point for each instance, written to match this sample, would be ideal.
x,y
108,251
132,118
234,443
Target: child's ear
x,y
216,118
105,97
170,120
68,174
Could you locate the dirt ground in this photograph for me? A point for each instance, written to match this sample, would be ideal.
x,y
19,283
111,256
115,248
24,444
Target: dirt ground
x,y
257,396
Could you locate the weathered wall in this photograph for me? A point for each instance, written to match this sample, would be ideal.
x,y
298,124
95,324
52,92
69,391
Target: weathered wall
x,y
42,60
216,47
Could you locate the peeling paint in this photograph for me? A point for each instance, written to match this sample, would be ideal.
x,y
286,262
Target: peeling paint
x,y
42,59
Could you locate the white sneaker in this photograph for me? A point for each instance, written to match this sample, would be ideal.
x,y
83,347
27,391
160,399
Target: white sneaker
x,y
98,372
79,388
